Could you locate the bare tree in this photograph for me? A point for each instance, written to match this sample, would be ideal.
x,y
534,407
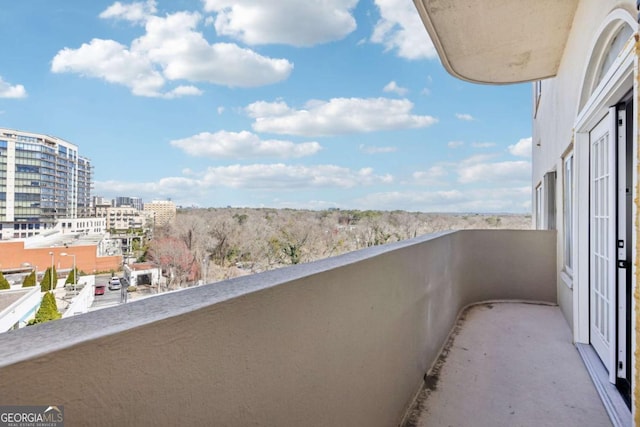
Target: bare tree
x,y
177,262
241,240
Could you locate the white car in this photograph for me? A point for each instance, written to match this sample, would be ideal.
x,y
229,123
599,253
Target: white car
x,y
114,284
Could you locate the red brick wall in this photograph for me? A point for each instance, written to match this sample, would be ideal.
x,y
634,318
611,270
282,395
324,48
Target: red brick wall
x,y
13,255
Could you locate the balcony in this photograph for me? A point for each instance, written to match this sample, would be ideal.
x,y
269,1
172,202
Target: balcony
x,y
342,341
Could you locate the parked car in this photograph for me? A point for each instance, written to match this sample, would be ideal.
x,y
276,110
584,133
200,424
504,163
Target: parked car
x,y
114,284
99,290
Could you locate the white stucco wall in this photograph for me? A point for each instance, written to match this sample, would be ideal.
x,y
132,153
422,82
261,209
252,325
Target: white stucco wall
x,y
553,132
82,302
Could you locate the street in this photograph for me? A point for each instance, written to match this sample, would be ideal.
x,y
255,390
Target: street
x,y
109,298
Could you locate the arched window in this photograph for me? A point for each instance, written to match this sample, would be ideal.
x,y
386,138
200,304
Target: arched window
x,y
612,38
620,38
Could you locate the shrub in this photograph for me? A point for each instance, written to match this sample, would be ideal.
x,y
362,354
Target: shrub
x,y
71,278
132,288
48,310
4,283
29,280
48,281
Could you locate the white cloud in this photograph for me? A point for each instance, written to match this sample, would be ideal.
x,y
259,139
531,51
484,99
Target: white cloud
x,y
281,176
176,188
113,62
393,87
220,110
465,117
480,168
521,148
256,177
377,150
242,145
400,29
183,53
8,90
134,12
432,176
171,49
470,171
336,116
514,199
455,144
283,21
483,144
182,91
268,109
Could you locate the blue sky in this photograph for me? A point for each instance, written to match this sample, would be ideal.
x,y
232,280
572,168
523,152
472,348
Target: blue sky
x,y
340,103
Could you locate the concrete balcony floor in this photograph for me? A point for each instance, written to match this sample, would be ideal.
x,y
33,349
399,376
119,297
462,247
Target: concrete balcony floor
x,y
509,364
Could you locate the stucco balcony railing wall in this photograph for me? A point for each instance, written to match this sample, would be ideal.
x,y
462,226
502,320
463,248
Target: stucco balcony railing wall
x,y
342,341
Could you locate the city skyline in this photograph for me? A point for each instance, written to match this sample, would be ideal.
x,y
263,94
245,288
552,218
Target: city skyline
x,y
215,103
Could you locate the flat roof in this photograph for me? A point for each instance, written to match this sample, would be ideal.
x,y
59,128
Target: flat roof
x,y
64,240
9,296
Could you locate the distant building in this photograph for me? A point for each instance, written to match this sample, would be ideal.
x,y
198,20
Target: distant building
x,y
164,211
121,218
135,202
99,201
142,274
42,179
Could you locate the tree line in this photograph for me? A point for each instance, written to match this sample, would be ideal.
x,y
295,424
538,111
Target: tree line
x,y
219,243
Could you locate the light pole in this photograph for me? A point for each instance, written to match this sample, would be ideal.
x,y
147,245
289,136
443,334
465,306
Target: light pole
x,y
75,276
51,273
205,265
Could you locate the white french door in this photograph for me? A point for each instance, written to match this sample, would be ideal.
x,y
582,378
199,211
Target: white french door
x,y
602,241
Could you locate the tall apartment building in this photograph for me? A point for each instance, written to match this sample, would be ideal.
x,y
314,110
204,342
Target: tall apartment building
x,y
164,211
42,179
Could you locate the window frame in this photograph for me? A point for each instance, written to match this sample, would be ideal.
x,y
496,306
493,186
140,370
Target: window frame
x,y
537,94
568,207
539,193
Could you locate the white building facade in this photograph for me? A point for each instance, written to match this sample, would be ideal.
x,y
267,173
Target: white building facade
x,y
582,57
584,161
122,217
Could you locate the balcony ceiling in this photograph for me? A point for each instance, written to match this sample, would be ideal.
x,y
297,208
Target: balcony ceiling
x,y
498,41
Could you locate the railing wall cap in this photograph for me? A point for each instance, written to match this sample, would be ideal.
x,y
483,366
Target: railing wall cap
x,y
30,342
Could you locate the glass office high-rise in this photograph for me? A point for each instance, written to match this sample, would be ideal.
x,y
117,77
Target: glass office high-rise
x,y
42,179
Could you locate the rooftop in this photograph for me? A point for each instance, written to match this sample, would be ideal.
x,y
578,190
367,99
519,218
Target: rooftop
x,y
8,297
